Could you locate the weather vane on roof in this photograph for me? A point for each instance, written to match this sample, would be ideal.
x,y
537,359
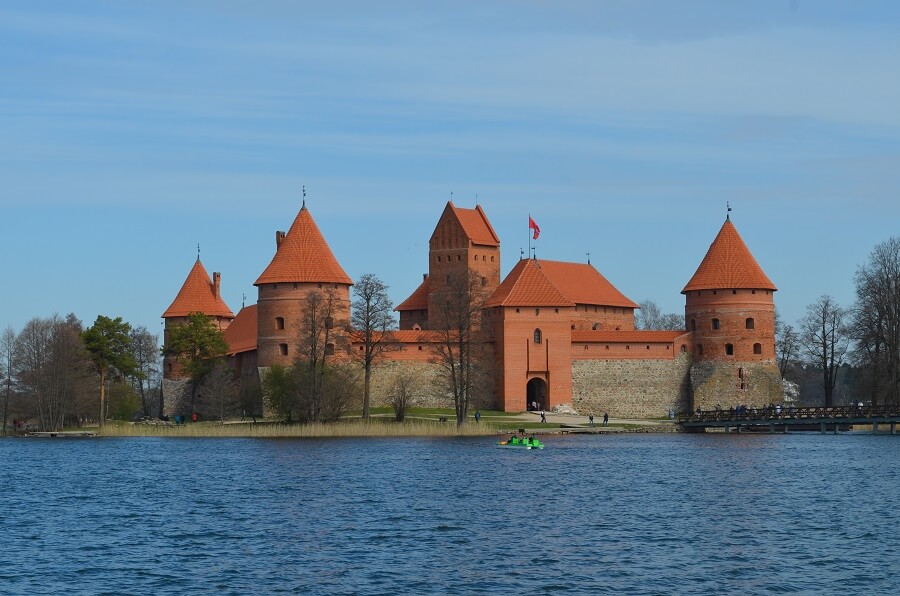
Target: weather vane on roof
x,y
589,257
728,212
243,300
304,196
198,251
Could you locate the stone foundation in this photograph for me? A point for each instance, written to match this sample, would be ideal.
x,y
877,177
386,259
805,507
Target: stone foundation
x,y
727,384
631,388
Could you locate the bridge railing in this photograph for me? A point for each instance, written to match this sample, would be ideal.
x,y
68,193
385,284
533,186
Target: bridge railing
x,y
774,413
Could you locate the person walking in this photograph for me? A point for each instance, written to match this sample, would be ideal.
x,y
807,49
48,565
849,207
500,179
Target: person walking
x,y
543,417
477,416
605,419
591,420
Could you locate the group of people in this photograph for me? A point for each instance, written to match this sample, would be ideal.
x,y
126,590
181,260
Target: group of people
x,y
605,419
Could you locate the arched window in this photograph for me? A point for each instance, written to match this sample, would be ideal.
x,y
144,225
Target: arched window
x,y
729,349
715,323
683,348
537,336
751,324
757,348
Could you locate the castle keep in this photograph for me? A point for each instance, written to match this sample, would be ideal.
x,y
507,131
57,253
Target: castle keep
x,y
554,332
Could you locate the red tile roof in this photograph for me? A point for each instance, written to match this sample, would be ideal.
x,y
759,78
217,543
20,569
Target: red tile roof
x,y
241,333
198,295
728,264
475,224
303,256
418,300
528,285
580,283
630,336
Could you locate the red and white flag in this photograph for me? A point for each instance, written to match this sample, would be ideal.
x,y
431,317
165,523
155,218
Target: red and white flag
x,y
534,226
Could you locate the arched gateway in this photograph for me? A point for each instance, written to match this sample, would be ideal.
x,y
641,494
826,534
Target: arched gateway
x,y
537,394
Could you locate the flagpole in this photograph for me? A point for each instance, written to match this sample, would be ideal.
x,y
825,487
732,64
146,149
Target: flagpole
x,y
529,235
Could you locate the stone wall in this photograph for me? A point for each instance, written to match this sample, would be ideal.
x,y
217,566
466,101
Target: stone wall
x,y
728,384
175,392
631,388
431,391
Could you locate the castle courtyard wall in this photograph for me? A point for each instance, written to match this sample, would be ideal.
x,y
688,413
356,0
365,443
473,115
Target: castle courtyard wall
x,y
637,388
727,384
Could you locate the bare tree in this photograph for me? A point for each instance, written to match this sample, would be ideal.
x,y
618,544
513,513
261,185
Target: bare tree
x,y
318,342
650,317
145,350
372,317
825,340
217,396
461,345
787,342
876,321
52,365
7,374
403,392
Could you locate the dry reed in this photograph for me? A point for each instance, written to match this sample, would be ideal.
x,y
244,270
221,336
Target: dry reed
x,y
266,430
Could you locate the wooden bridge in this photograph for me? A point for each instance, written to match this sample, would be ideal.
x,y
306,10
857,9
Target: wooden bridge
x,y
782,419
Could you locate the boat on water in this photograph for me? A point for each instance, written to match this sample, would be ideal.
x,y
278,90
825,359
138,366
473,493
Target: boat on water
x,y
521,443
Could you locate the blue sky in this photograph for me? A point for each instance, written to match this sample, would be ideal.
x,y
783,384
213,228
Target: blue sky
x,y
130,132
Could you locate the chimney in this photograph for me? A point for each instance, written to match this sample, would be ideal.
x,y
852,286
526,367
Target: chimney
x,y
279,236
217,280
424,276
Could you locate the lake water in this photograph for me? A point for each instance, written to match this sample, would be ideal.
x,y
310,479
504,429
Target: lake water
x,y
617,514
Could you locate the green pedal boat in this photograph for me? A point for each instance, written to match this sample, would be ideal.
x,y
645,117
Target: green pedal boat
x,y
517,443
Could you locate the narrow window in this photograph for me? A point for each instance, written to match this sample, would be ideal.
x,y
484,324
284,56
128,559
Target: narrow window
x,y
492,259
648,347
476,258
537,311
537,336
607,347
751,324
715,323
420,348
279,322
283,349
329,323
683,348
729,349
627,347
483,281
757,348
329,349
483,258
458,257
693,324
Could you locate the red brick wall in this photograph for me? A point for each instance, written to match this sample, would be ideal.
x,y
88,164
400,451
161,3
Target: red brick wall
x,y
522,359
287,300
410,318
732,308
171,369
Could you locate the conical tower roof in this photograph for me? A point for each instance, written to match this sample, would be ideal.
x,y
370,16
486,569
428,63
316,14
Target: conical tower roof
x,y
304,256
728,264
198,294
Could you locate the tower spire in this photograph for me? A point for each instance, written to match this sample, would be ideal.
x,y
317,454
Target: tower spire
x,y
728,211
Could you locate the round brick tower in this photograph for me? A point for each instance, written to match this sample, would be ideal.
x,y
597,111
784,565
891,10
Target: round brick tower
x,y
303,265
730,309
198,294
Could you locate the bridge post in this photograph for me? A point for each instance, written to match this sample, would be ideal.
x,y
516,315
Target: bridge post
x,y
836,428
784,428
893,428
771,428
822,427
738,429
874,428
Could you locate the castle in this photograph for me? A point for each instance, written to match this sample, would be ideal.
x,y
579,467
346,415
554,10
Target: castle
x,y
559,332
